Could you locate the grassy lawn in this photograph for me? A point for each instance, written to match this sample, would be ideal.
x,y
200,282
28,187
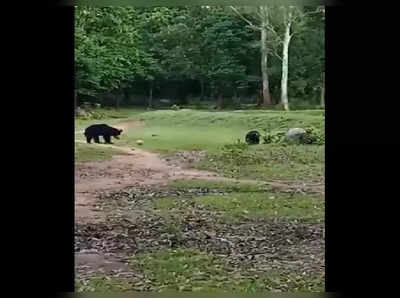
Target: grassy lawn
x,y
168,131
205,130
269,161
93,152
190,270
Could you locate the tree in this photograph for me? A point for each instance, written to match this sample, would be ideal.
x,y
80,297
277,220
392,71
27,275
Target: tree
x,y
209,50
294,20
106,51
152,22
261,23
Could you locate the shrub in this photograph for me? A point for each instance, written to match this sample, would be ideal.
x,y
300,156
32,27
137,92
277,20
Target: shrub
x,y
273,137
313,136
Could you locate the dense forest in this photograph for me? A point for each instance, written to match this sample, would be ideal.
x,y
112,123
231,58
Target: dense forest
x,y
219,57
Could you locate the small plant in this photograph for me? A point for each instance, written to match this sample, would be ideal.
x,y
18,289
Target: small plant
x,y
313,136
234,153
235,148
273,137
175,107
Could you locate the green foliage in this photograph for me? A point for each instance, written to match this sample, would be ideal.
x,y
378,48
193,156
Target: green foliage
x,y
273,137
313,136
120,47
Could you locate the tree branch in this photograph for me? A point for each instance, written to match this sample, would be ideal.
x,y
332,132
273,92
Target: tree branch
x,y
243,18
271,29
276,55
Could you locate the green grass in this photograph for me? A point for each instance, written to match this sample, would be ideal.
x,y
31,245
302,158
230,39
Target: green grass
x,y
238,119
266,205
264,162
211,130
183,184
103,284
191,270
204,130
244,205
172,138
94,152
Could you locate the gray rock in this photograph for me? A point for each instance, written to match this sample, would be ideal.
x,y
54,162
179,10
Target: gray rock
x,y
294,134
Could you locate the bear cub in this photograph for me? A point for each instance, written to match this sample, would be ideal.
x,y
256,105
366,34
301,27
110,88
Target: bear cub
x,y
96,130
253,137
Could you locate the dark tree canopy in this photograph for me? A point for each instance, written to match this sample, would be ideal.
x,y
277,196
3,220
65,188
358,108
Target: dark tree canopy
x,y
131,55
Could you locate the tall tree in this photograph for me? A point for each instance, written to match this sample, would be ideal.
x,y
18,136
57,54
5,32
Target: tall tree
x,y
258,19
106,51
294,20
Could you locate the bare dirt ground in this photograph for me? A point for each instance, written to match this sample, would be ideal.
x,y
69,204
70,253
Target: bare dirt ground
x,y
136,169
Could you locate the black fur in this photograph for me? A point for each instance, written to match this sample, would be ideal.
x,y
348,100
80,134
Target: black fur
x,y
96,130
253,137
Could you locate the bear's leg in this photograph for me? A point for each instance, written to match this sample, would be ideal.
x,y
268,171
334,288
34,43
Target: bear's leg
x,y
96,139
107,139
88,139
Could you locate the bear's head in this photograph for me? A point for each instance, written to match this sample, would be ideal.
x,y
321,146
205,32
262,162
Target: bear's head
x,y
116,133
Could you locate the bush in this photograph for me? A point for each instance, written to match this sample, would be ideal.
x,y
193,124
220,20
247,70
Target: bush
x,y
273,137
234,152
313,136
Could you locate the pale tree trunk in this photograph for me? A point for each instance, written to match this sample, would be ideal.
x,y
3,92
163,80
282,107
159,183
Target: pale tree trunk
x,y
262,12
323,91
285,67
266,99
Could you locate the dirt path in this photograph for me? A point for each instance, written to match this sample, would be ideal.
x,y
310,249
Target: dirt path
x,y
136,167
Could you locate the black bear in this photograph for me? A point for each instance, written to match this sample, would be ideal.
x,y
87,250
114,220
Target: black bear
x,y
96,130
253,137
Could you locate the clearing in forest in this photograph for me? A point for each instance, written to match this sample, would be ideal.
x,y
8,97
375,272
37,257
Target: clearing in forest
x,y
188,210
